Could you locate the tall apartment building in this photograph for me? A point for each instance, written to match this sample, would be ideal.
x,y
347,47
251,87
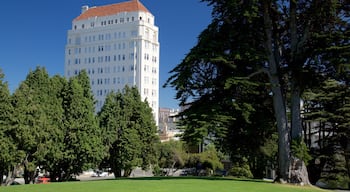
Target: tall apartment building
x,y
117,45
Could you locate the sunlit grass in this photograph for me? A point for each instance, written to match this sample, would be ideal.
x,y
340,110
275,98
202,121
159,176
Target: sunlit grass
x,y
161,184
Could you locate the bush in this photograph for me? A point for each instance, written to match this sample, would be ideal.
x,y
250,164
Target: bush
x,y
241,169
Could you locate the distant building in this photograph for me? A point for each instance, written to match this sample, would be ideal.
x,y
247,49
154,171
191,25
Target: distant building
x,y
167,124
117,45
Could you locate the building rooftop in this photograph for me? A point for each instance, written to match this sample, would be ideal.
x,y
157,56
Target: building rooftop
x,y
128,6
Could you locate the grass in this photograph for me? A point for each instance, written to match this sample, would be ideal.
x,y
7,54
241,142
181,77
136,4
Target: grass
x,y
162,184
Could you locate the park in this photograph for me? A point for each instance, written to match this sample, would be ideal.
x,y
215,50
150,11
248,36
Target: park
x,y
264,94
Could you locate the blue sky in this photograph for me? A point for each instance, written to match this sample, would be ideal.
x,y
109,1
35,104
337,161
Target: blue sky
x,y
33,33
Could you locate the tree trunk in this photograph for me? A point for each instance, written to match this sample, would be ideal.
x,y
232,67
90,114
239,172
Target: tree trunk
x,y
10,178
299,174
28,176
283,132
117,172
273,53
1,177
297,129
127,172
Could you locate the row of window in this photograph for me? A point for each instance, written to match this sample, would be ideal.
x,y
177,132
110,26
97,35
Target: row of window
x,y
111,22
109,58
121,80
146,92
100,103
115,69
109,47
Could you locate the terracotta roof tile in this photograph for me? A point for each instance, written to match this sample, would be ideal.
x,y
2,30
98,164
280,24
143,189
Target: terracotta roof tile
x,y
129,6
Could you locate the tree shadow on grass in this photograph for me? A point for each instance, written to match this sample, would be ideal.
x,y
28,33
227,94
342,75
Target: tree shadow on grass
x,y
194,177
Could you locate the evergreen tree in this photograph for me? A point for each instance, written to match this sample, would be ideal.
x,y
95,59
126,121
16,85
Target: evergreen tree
x,y
129,131
8,148
55,111
82,138
327,117
32,126
294,43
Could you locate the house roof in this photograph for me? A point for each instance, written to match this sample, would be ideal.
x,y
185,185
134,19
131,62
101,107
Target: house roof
x,y
128,6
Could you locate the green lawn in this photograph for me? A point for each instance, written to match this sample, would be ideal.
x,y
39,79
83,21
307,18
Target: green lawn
x,y
160,184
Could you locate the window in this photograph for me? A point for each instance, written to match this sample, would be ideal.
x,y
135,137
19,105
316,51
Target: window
x,y
154,92
146,80
134,33
154,70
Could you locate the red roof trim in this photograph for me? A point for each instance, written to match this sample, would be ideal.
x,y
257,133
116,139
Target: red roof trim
x,y
106,10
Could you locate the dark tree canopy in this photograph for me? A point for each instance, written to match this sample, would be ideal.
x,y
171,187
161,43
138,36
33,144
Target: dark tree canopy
x,y
281,46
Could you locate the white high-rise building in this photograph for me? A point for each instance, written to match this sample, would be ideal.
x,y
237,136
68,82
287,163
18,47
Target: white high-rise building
x,y
117,45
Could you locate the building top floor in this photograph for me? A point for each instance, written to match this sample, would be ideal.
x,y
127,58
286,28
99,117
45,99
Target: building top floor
x,y
109,15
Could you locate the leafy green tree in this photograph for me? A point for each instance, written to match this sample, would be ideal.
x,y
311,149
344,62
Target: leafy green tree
x,y
82,140
8,148
32,126
55,111
294,43
171,155
129,131
206,162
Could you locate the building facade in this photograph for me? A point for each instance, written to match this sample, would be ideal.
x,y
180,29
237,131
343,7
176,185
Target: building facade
x,y
117,45
167,127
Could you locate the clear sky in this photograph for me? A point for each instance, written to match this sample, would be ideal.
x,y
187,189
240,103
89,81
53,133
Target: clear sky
x,y
33,33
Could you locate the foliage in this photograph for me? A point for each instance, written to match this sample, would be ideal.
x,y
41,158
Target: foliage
x,y
33,125
54,125
327,116
335,174
294,43
171,154
129,131
8,148
83,147
241,169
206,162
270,148
210,159
300,150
